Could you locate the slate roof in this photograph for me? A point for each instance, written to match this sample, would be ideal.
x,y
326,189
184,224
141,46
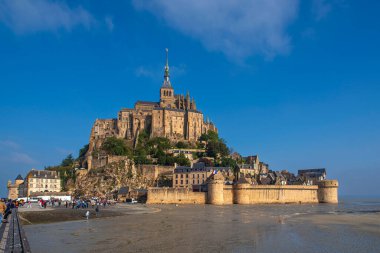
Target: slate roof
x,y
43,174
19,177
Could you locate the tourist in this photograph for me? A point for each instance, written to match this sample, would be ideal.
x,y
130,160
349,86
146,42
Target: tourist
x,y
3,207
87,214
8,211
97,209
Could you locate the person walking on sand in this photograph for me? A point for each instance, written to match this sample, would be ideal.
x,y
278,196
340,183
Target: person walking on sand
x,y
97,209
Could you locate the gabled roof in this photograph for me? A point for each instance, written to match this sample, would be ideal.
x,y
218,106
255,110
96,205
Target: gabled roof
x,y
19,177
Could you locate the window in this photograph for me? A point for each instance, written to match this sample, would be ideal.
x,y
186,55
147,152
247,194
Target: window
x,y
203,175
187,175
31,185
181,181
181,175
176,176
176,182
187,181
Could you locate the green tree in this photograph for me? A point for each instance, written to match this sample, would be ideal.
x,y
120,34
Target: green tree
x,y
217,149
115,146
83,151
228,162
182,160
68,161
181,144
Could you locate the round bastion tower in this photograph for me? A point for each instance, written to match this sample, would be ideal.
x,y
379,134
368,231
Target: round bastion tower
x,y
215,190
328,191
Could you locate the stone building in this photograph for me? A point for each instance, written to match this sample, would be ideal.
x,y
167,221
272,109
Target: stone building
x,y
190,177
312,176
253,166
41,181
14,189
174,116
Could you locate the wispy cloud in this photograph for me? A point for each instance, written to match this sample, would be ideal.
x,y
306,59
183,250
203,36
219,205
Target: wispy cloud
x,y
321,8
239,28
28,16
109,23
9,144
21,158
157,72
11,152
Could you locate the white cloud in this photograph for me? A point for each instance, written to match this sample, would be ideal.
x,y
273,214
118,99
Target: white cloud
x,y
109,23
28,16
142,71
11,153
8,144
157,72
321,8
238,28
21,158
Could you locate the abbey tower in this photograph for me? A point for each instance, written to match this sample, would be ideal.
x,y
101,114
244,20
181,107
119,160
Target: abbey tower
x,y
174,116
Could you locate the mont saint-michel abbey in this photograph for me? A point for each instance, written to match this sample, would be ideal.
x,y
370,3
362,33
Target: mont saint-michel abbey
x,y
175,116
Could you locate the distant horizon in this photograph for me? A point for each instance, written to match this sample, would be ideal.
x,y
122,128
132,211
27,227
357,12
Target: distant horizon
x,y
298,87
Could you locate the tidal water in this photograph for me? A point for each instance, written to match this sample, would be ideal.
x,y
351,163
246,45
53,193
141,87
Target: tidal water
x,y
351,226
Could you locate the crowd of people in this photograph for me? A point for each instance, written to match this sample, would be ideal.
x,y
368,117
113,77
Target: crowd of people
x,y
6,206
6,209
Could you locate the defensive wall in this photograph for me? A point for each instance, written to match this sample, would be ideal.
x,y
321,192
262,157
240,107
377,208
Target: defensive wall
x,y
166,195
221,194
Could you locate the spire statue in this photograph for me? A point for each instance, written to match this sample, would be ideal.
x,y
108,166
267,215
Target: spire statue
x,y
166,75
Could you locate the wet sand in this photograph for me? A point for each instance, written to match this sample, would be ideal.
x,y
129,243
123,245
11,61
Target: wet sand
x,y
207,228
59,214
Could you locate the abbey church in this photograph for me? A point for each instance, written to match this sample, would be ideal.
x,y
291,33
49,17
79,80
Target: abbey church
x,y
175,117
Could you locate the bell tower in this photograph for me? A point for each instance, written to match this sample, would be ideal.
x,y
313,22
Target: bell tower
x,y
167,92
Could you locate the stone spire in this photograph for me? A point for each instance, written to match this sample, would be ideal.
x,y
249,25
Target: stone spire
x,y
167,83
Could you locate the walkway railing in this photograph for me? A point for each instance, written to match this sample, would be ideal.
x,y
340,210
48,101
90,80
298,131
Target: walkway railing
x,y
13,236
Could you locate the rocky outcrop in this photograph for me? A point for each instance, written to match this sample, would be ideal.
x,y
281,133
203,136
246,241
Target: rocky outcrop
x,y
108,179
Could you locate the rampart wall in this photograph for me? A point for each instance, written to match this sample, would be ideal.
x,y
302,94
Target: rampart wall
x,y
220,194
167,195
268,194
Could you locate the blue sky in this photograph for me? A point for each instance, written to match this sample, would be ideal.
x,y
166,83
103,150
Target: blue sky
x,y
297,82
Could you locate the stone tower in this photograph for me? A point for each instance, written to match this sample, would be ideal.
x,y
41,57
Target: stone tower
x,y
328,191
215,193
167,99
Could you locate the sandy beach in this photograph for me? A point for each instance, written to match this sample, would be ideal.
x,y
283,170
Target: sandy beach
x,y
207,228
37,215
